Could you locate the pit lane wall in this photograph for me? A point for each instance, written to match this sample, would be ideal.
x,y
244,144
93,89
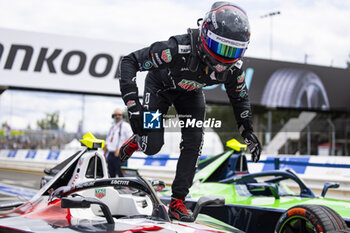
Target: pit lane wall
x,y
314,170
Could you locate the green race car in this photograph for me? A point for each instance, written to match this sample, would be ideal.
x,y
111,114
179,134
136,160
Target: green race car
x,y
269,201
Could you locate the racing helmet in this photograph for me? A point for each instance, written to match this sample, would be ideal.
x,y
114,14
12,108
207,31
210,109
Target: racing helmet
x,y
224,36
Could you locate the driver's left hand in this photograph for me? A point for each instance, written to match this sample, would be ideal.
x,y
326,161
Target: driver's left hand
x,y
58,192
253,144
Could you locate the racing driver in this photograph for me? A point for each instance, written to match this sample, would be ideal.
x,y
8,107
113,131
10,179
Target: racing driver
x,y
177,70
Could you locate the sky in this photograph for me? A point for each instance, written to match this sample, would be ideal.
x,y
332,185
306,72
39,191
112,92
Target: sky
x,y
95,111
318,28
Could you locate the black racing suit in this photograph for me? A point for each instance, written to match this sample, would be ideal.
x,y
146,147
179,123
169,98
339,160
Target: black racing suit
x,y
170,81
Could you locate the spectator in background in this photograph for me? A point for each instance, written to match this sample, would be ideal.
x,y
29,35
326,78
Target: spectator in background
x,y
119,132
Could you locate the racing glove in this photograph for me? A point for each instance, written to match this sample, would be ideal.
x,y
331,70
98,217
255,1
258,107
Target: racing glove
x,y
135,112
58,192
253,144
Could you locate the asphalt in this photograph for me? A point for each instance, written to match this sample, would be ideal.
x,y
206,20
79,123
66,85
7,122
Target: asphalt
x,y
19,179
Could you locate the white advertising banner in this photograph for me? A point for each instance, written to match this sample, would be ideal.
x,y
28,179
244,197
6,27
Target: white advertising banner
x,y
39,61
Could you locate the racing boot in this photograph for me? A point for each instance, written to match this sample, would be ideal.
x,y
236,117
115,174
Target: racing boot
x,y
128,148
178,211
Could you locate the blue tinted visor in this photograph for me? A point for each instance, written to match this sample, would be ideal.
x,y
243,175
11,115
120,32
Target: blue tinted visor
x,y
224,47
224,50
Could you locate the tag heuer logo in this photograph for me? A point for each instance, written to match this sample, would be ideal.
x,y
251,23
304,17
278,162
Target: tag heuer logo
x,y
166,56
100,193
240,79
190,85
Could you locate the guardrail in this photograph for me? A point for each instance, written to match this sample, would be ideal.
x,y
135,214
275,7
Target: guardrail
x,y
314,170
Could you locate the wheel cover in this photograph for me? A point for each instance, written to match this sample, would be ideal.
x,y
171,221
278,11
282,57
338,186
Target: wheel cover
x,y
297,224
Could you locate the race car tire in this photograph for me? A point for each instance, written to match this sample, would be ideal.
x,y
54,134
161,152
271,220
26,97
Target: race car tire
x,y
339,220
295,88
310,219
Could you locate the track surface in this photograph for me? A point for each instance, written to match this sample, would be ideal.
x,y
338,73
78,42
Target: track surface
x,y
18,179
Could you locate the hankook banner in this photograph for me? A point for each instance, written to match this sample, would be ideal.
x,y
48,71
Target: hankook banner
x,y
291,85
40,61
